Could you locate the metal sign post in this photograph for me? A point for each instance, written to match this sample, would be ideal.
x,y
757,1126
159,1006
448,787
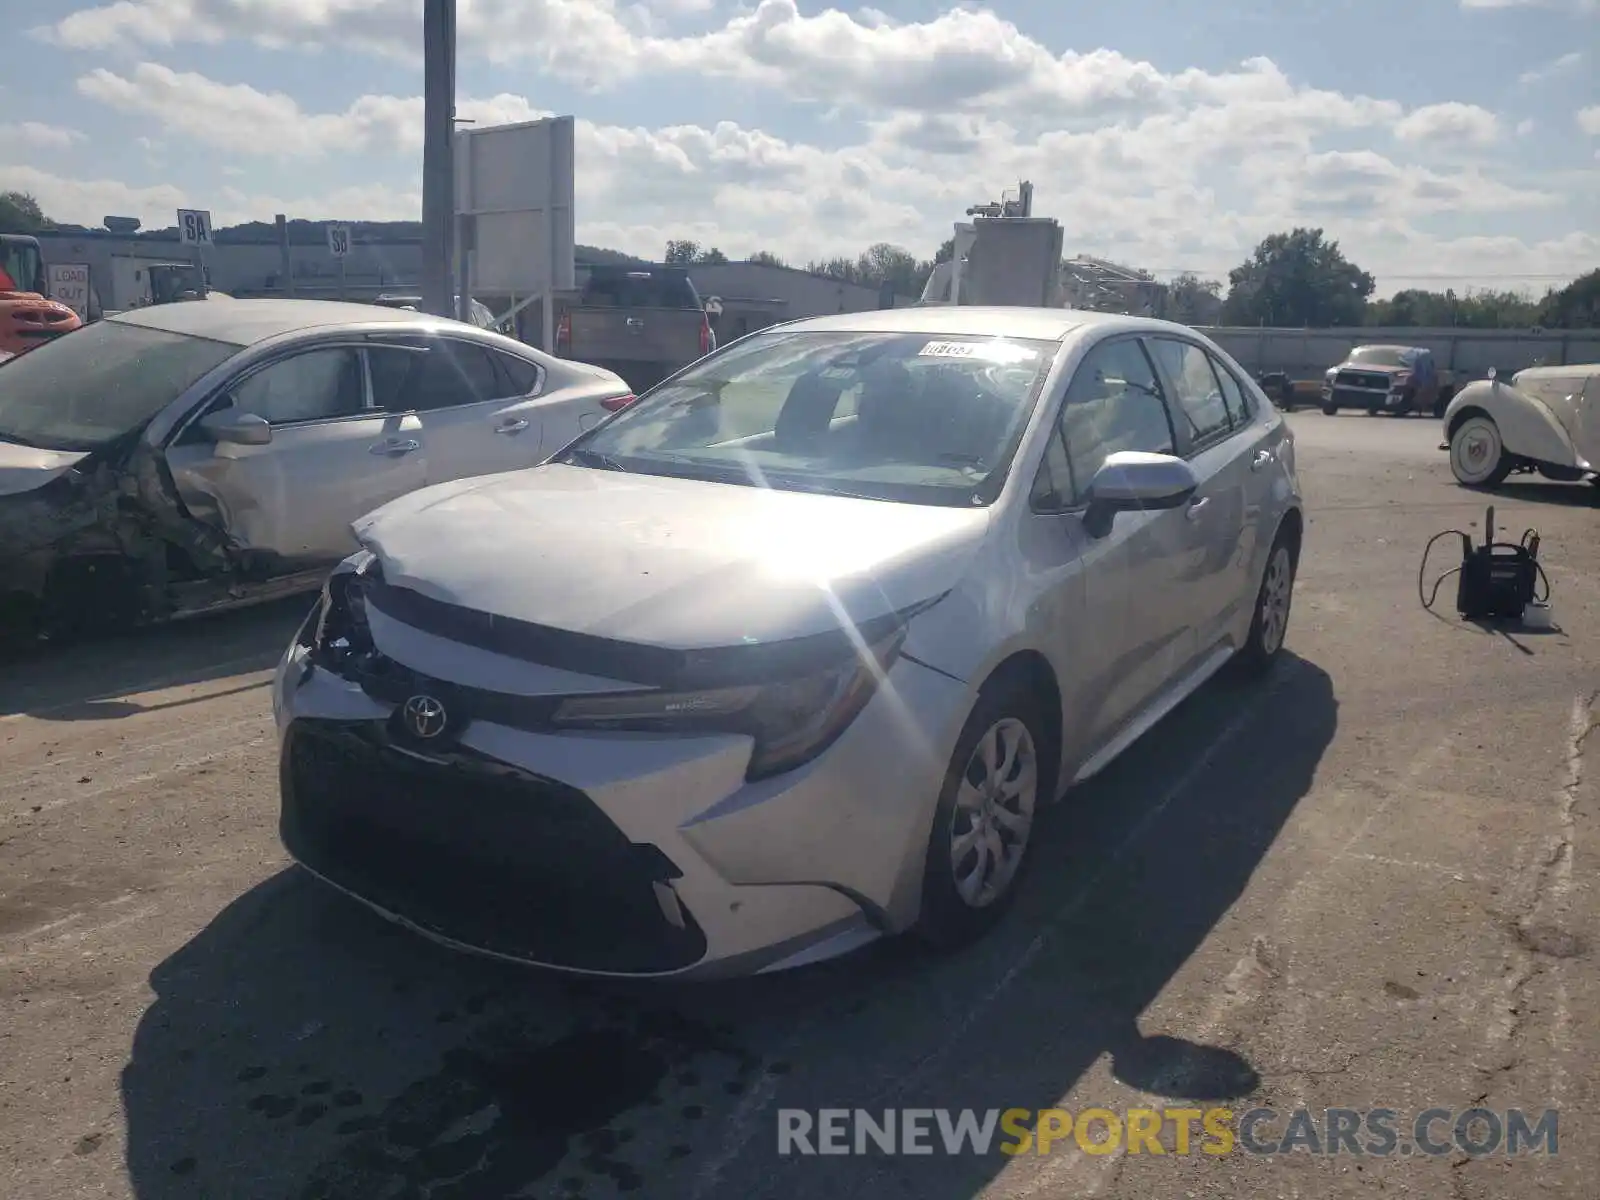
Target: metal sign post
x,y
194,229
339,247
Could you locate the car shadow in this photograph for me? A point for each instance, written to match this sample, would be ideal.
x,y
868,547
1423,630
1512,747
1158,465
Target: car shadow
x,y
299,1047
1549,491
90,680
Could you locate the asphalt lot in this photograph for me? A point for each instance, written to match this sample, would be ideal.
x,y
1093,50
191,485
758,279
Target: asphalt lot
x,y
1367,883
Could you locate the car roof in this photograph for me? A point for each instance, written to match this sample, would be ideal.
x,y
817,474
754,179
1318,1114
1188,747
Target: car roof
x,y
245,322
1386,346
973,320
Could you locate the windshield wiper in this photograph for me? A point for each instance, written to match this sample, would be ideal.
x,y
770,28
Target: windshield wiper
x,y
593,458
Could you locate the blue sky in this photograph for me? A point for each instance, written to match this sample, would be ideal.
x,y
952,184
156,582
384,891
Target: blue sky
x,y
1443,142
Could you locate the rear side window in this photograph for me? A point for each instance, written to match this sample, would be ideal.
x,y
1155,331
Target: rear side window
x,y
519,377
1199,394
449,375
1234,396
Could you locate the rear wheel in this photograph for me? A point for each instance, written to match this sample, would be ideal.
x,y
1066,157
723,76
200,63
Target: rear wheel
x,y
999,775
1329,408
1478,458
1270,624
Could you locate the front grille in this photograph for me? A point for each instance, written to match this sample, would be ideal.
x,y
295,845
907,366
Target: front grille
x,y
1362,379
1343,395
478,852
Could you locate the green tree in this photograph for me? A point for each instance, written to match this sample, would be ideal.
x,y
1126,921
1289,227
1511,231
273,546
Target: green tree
x,y
20,213
1576,306
712,256
766,258
681,252
1191,300
881,263
1297,278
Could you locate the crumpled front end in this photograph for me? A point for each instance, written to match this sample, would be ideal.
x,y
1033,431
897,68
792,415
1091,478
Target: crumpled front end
x,y
439,782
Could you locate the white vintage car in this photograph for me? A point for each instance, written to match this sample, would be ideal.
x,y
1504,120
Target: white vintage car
x,y
1546,419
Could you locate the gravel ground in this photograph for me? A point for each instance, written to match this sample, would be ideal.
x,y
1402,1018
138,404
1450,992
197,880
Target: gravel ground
x,y
1367,883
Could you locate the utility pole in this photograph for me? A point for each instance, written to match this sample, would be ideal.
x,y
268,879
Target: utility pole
x,y
438,159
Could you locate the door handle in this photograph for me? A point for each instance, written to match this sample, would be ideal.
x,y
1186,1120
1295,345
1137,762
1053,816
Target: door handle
x,y
1197,506
395,446
1262,458
516,425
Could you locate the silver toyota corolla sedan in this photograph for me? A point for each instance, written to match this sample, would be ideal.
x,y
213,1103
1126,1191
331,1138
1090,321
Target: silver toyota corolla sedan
x,y
787,655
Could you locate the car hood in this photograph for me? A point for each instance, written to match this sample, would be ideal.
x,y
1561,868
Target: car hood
x,y
675,563
24,468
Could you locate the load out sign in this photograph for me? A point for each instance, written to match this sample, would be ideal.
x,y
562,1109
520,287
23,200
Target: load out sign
x,y
69,284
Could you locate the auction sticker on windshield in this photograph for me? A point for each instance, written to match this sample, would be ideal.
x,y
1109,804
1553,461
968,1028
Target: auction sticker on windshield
x,y
987,351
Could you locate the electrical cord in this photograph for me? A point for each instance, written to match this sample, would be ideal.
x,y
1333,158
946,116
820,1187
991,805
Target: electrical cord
x,y
1422,567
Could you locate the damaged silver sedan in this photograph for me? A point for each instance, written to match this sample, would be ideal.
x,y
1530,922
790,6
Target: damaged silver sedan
x,y
186,458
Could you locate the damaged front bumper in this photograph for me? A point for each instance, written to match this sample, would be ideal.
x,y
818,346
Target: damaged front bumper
x,y
606,853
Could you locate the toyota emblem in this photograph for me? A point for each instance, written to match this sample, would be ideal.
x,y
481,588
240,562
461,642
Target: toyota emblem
x,y
425,717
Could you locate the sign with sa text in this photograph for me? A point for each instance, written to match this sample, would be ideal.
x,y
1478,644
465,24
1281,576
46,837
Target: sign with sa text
x,y
194,226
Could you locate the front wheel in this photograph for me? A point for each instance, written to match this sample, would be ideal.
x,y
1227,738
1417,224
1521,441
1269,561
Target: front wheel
x,y
1329,408
982,832
1478,458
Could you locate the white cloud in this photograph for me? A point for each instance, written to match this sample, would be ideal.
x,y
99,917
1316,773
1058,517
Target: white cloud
x,y
1168,168
35,135
1589,120
1449,122
1525,127
1570,6
88,201
1195,186
1550,70
232,116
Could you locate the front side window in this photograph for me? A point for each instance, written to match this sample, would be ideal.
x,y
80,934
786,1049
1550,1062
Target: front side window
x,y
1113,403
1199,395
318,385
95,384
914,417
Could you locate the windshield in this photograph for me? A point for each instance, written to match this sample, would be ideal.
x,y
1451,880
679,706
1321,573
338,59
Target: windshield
x,y
1381,356
910,417
95,384
20,266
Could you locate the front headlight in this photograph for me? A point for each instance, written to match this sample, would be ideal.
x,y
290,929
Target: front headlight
x,y
791,720
341,624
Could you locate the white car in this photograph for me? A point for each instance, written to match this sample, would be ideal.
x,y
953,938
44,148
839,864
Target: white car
x,y
785,656
182,458
1547,419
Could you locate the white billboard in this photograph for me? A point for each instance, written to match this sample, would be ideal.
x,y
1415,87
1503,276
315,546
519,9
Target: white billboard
x,y
517,183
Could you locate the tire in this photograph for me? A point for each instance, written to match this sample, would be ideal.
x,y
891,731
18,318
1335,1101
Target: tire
x,y
1269,624
956,909
1478,458
1329,410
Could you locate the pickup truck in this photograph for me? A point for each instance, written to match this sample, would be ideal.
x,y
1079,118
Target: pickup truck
x,y
1391,379
641,322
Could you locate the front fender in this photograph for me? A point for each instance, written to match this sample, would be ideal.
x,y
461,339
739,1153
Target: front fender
x,y
1527,427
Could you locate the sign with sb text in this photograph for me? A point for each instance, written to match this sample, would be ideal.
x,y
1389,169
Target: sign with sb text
x,y
339,240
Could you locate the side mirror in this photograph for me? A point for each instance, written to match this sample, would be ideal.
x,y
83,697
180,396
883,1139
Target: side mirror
x,y
241,429
1137,481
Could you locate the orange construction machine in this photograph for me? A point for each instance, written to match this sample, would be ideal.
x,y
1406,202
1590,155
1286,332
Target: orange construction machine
x,y
27,317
